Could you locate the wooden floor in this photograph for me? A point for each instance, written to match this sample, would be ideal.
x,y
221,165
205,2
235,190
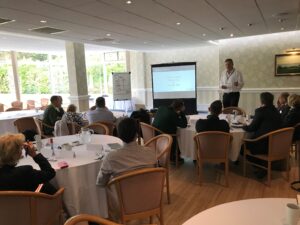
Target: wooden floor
x,y
188,198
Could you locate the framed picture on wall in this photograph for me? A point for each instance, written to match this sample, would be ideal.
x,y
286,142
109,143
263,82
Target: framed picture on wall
x,y
287,64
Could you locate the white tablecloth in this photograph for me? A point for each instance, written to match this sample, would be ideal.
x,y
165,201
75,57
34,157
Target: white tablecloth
x,y
7,119
260,211
187,144
79,179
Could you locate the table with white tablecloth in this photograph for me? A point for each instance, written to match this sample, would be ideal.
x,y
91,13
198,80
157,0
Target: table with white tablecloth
x,y
7,119
262,211
187,145
79,179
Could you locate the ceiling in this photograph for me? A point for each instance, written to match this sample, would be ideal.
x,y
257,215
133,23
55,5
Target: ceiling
x,y
150,24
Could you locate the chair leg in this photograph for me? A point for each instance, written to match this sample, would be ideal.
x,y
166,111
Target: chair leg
x,y
161,217
244,163
151,220
177,154
168,186
200,173
269,174
226,173
288,168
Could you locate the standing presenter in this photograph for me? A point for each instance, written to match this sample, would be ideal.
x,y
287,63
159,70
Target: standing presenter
x,y
231,82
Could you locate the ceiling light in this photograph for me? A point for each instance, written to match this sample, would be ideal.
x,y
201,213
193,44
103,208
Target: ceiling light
x,y
282,28
213,42
178,23
145,42
108,35
43,21
221,28
231,35
203,35
128,2
249,24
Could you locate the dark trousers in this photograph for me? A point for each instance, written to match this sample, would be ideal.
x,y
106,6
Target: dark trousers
x,y
231,99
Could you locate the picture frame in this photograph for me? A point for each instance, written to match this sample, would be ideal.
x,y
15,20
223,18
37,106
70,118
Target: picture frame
x,y
287,64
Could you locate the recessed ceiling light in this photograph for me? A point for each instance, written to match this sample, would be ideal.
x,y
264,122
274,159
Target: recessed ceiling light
x,y
145,42
282,28
108,35
203,35
43,21
178,23
231,35
221,28
128,2
249,24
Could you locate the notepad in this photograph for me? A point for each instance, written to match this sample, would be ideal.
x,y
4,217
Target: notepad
x,y
114,145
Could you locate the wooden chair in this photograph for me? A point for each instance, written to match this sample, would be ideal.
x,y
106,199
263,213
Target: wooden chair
x,y
25,123
231,110
1,107
73,128
111,126
17,104
84,219
212,146
30,104
140,194
31,208
44,102
162,145
12,109
98,128
296,143
279,144
149,132
40,125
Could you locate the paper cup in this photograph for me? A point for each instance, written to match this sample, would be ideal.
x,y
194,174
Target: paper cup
x,y
292,214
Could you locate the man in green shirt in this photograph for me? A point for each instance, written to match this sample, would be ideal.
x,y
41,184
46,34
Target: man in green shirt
x,y
53,113
168,118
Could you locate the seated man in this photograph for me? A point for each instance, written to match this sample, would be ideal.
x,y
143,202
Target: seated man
x,y
213,123
168,118
282,104
293,116
22,178
100,113
266,119
53,113
130,156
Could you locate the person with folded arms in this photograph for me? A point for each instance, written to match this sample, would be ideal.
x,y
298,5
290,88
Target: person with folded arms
x,y
23,178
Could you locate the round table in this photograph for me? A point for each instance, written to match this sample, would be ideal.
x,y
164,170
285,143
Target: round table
x,y
264,211
7,119
79,179
186,138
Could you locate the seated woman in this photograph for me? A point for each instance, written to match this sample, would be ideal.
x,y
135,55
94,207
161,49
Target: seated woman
x,y
72,116
293,117
23,178
282,104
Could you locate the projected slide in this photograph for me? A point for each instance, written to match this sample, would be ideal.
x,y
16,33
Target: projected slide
x,y
174,81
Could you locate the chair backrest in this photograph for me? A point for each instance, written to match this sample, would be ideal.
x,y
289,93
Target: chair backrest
x,y
280,142
30,208
25,123
110,125
84,219
13,109
98,128
44,102
148,131
1,107
212,145
30,104
162,146
17,104
139,191
39,124
231,110
61,128
73,128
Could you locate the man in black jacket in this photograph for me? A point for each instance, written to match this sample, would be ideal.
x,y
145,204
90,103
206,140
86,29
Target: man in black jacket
x,y
266,119
213,123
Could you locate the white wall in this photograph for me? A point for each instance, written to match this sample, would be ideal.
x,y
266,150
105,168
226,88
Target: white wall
x,y
253,56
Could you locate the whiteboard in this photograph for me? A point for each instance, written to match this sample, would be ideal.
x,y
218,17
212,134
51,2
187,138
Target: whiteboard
x,y
121,86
